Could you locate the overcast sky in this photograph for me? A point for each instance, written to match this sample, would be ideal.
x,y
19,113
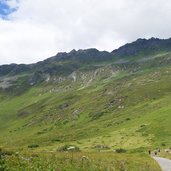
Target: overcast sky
x,y
32,30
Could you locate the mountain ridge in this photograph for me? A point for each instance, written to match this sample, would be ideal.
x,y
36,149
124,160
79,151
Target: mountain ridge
x,y
140,45
74,60
61,55
73,66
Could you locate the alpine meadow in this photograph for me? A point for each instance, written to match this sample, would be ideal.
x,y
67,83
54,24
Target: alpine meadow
x,y
88,110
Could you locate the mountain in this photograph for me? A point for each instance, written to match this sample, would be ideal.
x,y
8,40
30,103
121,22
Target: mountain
x,y
64,64
140,47
143,47
88,98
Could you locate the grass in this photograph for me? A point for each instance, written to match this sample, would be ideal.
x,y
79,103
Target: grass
x,y
95,111
79,161
127,109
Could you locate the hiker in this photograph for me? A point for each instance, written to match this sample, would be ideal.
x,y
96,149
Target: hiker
x,y
149,152
155,152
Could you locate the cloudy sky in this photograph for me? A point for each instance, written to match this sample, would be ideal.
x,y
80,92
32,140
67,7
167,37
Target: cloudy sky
x,y
32,30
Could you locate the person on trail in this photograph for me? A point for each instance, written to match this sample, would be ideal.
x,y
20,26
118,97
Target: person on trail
x,y
155,152
149,152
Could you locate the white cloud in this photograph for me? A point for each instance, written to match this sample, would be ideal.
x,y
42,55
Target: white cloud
x,y
39,28
22,41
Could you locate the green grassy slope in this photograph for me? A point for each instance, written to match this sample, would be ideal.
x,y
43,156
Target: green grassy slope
x,y
128,110
74,162
118,104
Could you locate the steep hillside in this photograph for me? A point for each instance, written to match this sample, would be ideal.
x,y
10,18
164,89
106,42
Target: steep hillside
x,y
88,97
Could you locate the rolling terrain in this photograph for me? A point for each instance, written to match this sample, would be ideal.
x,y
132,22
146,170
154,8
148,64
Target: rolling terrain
x,y
97,101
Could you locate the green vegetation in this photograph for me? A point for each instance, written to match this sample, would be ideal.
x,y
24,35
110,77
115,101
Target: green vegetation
x,y
2,162
112,112
79,161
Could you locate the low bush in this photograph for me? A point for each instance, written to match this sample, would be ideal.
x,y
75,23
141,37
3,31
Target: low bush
x,y
120,150
33,146
2,161
163,144
6,152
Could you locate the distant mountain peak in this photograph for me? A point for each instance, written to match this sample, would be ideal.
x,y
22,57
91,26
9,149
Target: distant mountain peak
x,y
73,51
143,46
140,39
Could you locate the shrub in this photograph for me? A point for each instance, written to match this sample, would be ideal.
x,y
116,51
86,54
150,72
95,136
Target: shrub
x,y
128,119
5,152
33,146
142,125
163,144
2,161
97,115
120,150
56,140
